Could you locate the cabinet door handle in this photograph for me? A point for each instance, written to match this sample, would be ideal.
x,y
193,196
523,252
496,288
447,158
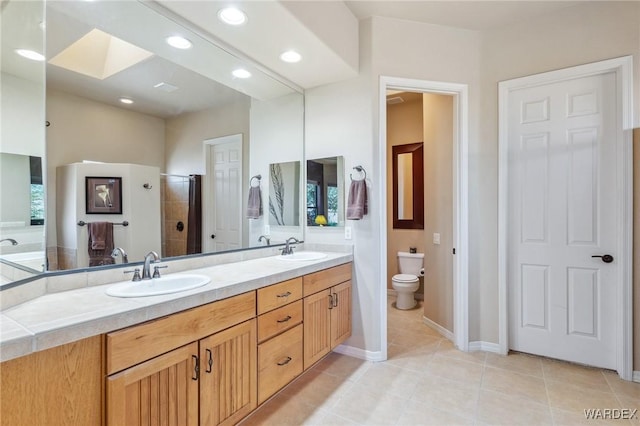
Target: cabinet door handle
x,y
335,300
330,301
209,361
287,294
286,361
285,319
196,368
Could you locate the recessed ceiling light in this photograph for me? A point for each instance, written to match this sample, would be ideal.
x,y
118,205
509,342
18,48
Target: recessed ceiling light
x,y
241,73
30,54
126,101
179,42
232,16
291,56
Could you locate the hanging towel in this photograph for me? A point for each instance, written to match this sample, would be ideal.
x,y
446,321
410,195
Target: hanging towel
x,y
357,202
100,243
254,206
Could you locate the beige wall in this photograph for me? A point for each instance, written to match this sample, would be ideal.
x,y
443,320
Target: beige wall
x,y
343,117
185,134
82,129
438,208
572,36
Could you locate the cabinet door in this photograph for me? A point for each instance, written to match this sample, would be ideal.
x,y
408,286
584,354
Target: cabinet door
x,y
228,379
341,313
163,390
317,317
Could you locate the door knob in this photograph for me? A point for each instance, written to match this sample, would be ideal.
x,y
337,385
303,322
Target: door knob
x,y
606,258
213,236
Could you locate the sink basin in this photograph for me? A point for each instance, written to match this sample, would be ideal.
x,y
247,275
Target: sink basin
x,y
157,286
302,256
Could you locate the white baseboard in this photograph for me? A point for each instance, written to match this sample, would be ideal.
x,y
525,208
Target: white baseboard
x,y
440,329
484,346
636,376
360,353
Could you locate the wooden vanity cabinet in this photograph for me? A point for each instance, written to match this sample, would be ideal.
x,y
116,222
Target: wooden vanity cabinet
x,y
327,311
280,336
58,386
212,380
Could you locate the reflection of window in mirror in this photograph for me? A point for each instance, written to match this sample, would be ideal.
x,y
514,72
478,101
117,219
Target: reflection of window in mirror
x,y
37,191
324,200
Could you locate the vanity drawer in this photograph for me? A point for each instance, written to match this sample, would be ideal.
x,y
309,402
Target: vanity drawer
x,y
324,279
277,295
133,345
279,362
279,320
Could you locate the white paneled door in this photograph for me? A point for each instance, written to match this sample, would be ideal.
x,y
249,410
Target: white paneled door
x,y
562,212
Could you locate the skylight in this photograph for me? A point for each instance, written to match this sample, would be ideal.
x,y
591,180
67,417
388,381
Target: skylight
x,y
99,55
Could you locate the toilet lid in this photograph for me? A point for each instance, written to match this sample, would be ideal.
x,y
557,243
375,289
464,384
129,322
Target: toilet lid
x,y
406,278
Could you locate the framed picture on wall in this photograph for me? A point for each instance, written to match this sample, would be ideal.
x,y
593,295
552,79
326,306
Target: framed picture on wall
x,y
104,195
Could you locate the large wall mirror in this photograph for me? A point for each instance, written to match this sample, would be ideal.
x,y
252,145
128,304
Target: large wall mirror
x,y
408,186
122,102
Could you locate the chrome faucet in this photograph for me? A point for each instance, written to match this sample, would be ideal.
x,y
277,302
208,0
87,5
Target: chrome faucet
x,y
123,253
146,270
13,242
287,248
264,237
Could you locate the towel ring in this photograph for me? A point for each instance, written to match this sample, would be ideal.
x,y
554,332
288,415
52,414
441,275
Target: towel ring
x,y
259,177
359,169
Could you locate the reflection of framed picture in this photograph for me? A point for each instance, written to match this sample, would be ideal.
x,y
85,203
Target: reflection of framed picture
x,y
104,195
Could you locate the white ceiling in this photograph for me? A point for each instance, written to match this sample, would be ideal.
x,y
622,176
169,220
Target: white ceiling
x,y
477,15
325,32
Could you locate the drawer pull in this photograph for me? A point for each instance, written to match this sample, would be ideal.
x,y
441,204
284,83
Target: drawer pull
x,y
287,294
209,361
196,368
331,301
285,319
286,361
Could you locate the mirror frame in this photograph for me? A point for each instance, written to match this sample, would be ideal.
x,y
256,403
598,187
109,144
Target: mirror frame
x,y
417,155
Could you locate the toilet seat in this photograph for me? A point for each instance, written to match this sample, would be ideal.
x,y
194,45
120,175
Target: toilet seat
x,y
405,278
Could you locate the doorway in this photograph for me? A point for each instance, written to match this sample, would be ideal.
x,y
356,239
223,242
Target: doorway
x,y
565,206
458,93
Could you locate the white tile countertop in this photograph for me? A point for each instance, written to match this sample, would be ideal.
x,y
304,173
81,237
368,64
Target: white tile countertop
x,y
58,318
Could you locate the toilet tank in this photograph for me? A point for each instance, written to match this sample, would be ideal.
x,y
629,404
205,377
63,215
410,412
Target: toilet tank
x,y
410,263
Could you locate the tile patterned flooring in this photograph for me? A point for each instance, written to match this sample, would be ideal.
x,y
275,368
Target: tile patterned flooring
x,y
426,381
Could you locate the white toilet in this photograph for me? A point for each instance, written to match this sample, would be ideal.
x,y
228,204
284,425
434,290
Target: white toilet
x,y
407,282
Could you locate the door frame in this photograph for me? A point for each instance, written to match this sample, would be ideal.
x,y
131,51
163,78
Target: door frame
x,y
208,185
622,67
460,93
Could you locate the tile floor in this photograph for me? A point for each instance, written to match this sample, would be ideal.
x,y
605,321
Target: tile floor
x,y
426,381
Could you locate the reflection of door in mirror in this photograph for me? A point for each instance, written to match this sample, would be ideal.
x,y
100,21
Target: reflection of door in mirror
x,y
223,210
284,190
324,201
408,186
